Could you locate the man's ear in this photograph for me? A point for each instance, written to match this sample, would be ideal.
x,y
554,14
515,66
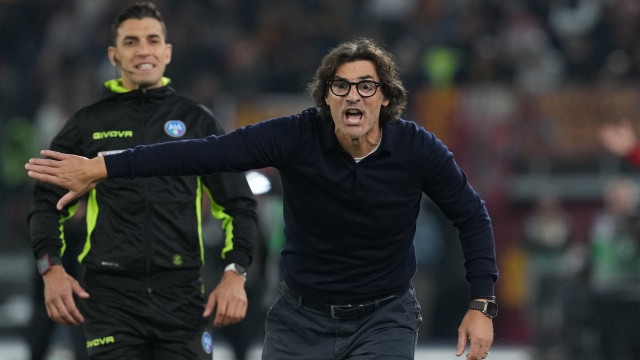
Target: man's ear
x,y
113,56
168,53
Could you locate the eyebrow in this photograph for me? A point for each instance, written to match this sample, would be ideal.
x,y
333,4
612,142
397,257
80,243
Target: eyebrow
x,y
135,37
363,77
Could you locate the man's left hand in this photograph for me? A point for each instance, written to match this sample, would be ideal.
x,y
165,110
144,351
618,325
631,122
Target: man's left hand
x,y
230,299
478,329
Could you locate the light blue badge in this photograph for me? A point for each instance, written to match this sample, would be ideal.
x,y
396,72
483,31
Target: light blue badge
x,y
207,342
175,128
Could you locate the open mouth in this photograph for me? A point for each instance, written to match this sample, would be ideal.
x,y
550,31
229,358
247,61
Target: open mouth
x,y
353,116
145,66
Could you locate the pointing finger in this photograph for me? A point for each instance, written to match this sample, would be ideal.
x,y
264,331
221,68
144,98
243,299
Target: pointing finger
x,y
69,197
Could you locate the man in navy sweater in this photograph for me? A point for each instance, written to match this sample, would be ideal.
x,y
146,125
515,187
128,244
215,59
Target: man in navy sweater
x,y
352,174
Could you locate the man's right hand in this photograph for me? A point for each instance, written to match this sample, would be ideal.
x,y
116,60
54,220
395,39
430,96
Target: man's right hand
x,y
58,296
75,173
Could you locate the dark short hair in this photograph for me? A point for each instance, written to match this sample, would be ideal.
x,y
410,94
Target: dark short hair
x,y
137,11
361,49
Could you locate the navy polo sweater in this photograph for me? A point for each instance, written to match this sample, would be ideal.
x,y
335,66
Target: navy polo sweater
x,y
349,226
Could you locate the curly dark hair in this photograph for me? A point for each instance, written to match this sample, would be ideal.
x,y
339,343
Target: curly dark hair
x,y
137,11
361,49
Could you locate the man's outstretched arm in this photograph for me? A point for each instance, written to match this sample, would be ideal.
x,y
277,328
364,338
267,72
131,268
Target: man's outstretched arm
x,y
252,147
75,173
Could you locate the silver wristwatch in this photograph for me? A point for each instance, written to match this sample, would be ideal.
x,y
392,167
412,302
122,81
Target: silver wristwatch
x,y
236,268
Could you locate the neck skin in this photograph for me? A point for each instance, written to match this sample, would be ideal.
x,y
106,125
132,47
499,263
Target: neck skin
x,y
360,146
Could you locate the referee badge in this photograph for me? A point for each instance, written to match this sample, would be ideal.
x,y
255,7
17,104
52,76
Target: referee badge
x,y
175,128
207,342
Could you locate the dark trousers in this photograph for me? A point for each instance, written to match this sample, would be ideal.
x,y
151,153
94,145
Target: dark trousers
x,y
165,324
294,332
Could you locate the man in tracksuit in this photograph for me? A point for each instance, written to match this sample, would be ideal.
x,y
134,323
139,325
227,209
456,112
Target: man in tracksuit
x,y
142,296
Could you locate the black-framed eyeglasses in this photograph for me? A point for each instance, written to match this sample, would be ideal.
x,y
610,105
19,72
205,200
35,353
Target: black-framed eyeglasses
x,y
366,88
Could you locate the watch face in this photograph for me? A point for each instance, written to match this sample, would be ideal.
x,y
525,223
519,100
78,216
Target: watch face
x,y
43,264
492,308
241,269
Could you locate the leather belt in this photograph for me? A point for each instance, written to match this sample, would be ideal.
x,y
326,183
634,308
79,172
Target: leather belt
x,y
341,312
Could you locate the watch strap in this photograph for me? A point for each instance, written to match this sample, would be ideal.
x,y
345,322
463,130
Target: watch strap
x,y
46,262
477,305
489,308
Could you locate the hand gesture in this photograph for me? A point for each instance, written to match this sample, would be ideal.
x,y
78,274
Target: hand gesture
x,y
75,173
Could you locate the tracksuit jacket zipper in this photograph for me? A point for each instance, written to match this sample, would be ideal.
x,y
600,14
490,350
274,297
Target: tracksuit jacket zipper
x,y
147,205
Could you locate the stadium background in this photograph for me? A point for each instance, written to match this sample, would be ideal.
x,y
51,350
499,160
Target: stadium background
x,y
516,89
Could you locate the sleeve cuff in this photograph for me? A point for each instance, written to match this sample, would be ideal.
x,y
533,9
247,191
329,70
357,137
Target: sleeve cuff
x,y
52,251
237,257
481,287
118,165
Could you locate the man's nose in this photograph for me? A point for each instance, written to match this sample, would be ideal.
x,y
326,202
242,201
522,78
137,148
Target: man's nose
x,y
143,49
353,94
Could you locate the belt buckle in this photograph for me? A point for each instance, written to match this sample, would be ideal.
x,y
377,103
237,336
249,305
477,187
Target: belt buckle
x,y
333,307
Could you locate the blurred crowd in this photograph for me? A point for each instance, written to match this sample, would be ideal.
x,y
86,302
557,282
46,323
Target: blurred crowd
x,y
53,52
53,62
582,298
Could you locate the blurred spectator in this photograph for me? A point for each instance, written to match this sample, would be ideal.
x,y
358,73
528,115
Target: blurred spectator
x,y
538,67
16,144
615,271
548,236
614,237
620,138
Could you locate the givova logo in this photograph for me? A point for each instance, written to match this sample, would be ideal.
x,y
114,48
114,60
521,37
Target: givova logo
x,y
100,341
175,128
112,134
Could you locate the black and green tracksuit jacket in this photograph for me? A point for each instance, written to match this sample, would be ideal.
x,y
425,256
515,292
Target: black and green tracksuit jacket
x,y
143,234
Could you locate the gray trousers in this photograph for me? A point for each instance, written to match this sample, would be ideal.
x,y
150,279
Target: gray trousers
x,y
300,333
